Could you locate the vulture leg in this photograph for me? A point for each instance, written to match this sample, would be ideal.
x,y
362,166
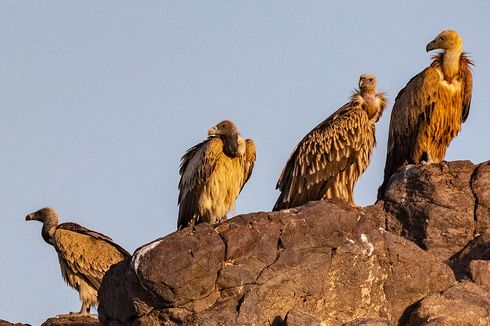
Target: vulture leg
x,y
84,312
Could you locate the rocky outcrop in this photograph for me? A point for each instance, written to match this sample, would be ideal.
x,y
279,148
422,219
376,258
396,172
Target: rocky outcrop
x,y
324,262
6,323
71,321
463,304
440,207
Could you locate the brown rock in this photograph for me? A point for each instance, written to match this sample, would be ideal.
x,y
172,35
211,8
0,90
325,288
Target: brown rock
x,y
434,205
325,260
477,249
464,304
71,321
6,323
481,189
480,273
297,317
369,321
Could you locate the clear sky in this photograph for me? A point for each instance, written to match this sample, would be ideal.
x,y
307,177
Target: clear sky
x,y
99,100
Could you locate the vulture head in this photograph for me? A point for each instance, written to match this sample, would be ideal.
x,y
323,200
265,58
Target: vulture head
x,y
446,40
233,143
49,218
367,83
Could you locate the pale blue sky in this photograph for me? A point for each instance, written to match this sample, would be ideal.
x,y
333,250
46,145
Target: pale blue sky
x,y
99,100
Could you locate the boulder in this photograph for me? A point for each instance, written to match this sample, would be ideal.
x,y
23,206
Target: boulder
x,y
477,249
433,205
480,273
297,317
71,321
6,323
325,260
464,304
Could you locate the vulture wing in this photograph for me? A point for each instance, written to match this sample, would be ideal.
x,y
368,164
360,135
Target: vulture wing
x,y
412,110
85,252
250,155
331,147
426,110
467,78
196,167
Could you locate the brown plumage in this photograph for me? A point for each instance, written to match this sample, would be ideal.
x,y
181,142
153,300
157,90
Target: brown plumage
x,y
429,111
212,175
331,157
84,255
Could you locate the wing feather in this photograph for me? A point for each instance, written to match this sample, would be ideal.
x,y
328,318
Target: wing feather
x,y
465,64
197,166
413,108
86,253
249,160
325,151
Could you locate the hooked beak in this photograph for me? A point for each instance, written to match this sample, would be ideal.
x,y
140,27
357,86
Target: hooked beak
x,y
431,46
212,131
30,217
361,83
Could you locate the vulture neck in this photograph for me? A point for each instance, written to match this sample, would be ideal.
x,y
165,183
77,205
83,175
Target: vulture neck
x,y
233,145
450,63
369,103
48,229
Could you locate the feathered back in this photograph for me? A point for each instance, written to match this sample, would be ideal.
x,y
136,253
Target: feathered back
x,y
330,158
427,115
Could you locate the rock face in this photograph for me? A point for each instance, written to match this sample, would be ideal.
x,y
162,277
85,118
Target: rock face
x,y
71,321
440,206
463,304
324,262
6,323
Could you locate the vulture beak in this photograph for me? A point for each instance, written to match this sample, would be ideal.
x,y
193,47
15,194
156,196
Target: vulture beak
x,y
431,46
30,217
361,83
212,131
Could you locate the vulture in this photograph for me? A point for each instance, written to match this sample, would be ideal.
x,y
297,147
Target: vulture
x,y
429,111
84,255
332,156
213,173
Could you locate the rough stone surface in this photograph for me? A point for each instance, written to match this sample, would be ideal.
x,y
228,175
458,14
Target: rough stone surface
x,y
325,259
6,323
324,262
481,189
434,206
71,321
476,249
465,304
297,317
480,273
369,321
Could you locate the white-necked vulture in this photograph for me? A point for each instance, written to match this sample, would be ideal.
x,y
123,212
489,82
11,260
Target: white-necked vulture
x,y
429,111
331,157
84,255
213,173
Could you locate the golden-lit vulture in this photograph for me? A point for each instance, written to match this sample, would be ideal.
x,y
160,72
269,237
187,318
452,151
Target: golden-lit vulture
x,y
331,157
429,111
212,175
84,255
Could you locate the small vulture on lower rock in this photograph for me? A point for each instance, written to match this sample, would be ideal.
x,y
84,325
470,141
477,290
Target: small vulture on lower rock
x,y
84,255
331,157
213,173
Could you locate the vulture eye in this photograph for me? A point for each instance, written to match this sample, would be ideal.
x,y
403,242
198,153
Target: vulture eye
x,y
442,38
370,79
